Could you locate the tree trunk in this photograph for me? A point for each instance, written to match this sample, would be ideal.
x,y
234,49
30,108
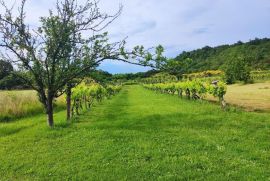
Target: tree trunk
x,y
73,108
50,112
77,104
222,103
68,100
188,93
85,102
180,93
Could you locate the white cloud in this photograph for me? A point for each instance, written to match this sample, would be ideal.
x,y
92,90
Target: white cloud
x,y
177,24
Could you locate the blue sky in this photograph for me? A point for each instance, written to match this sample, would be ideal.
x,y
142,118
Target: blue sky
x,y
178,25
187,24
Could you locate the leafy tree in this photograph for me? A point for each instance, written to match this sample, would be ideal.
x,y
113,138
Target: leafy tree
x,y
178,68
60,51
12,81
237,69
100,76
5,69
7,78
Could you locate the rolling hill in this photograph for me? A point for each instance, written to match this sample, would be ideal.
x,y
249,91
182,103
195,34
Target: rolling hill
x,y
256,51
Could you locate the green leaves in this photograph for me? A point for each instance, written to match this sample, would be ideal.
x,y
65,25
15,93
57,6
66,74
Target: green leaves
x,y
237,69
218,90
85,94
197,87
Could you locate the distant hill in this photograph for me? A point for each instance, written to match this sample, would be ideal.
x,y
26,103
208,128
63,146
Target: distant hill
x,y
257,51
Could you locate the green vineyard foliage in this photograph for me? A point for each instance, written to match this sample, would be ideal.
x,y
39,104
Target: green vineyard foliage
x,y
195,89
83,96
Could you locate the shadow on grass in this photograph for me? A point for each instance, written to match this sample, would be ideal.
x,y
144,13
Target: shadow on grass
x,y
7,131
160,122
14,118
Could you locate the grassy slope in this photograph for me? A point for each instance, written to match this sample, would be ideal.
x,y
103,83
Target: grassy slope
x,y
136,135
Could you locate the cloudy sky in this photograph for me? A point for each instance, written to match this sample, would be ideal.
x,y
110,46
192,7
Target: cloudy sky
x,y
178,25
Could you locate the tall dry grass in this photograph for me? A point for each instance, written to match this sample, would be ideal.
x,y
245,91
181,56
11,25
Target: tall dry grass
x,y
252,97
21,103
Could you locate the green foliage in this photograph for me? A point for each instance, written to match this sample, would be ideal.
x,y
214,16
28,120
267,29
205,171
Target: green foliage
x,y
100,76
133,76
84,95
178,68
12,81
159,78
218,90
204,74
194,89
5,69
237,69
260,75
214,58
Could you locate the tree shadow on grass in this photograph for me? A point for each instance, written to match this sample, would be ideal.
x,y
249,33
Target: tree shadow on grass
x,y
6,131
161,122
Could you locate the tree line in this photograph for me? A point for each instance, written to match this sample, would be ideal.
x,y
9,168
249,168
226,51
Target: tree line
x,y
254,54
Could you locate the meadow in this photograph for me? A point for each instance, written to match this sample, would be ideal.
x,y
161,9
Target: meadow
x,y
251,97
139,135
21,103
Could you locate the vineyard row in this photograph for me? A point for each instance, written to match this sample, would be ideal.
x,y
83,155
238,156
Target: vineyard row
x,y
83,96
195,89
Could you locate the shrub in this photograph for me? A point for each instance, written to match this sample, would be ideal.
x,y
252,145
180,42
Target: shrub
x,y
237,70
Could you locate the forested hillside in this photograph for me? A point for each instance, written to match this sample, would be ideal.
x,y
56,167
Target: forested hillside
x,y
256,52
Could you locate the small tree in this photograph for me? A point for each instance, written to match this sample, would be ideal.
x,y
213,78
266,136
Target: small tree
x,y
58,51
177,67
237,69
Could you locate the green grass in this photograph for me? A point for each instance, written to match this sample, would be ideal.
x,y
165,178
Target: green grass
x,y
139,135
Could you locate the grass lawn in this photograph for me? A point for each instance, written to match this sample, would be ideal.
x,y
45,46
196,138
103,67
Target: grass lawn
x,y
139,135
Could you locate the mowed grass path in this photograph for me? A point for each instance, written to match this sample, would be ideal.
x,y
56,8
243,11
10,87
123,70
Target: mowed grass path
x,y
139,135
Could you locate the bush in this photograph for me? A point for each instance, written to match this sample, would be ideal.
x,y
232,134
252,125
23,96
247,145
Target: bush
x,y
12,82
237,70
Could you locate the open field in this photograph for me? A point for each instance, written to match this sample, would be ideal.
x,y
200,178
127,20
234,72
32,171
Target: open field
x,y
139,135
252,97
21,103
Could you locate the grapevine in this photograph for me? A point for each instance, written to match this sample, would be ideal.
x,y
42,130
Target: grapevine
x,y
84,95
195,89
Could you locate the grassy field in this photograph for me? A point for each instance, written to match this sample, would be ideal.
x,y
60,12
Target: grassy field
x,y
139,135
252,97
21,103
